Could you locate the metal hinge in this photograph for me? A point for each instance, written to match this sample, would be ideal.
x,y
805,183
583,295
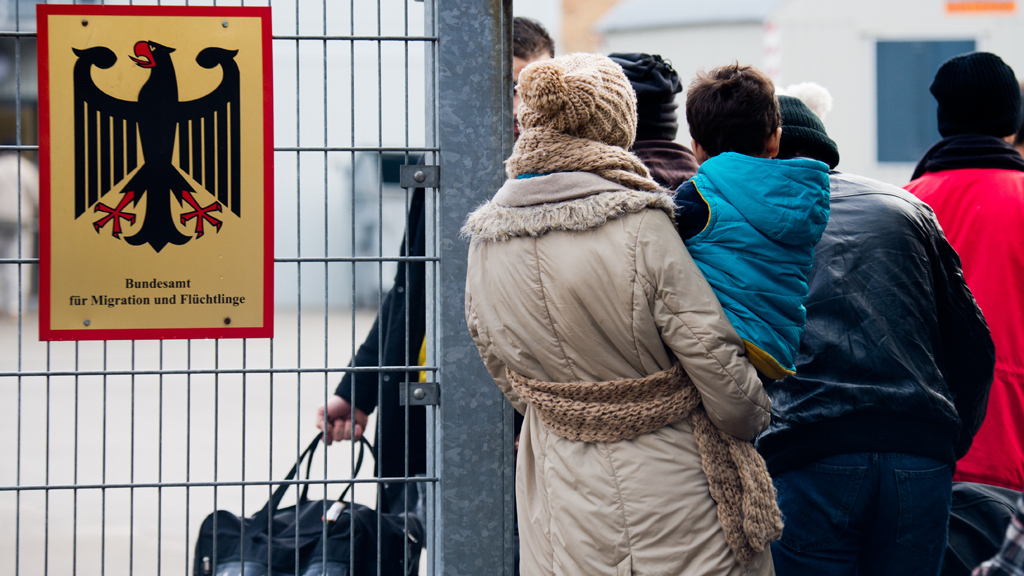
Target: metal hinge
x,y
415,176
419,394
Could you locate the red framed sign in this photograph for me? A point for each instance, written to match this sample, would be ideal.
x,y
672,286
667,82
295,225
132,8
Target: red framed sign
x,y
156,172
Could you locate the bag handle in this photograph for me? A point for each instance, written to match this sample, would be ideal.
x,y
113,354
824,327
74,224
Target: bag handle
x,y
363,443
275,500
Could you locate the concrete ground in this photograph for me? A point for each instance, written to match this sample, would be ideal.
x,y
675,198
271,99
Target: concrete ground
x,y
121,429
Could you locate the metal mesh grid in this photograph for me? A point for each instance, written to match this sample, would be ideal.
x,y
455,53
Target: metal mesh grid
x,y
114,452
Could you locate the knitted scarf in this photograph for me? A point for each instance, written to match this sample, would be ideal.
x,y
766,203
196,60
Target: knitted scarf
x,y
542,150
624,409
969,151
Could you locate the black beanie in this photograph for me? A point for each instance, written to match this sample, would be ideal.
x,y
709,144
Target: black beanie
x,y
656,85
803,134
977,92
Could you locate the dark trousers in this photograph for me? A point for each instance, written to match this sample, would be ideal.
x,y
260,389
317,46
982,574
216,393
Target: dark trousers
x,y
874,514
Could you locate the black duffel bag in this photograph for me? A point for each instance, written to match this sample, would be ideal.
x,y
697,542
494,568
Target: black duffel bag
x,y
978,518
279,542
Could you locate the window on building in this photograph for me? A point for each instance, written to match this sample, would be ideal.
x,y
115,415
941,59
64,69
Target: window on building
x,y
906,109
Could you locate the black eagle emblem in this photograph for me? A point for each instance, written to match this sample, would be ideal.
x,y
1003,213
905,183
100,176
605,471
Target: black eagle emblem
x,y
109,131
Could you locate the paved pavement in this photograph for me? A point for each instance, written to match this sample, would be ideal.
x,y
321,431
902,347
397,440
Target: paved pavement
x,y
144,429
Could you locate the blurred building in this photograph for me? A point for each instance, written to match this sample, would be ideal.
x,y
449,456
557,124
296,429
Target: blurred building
x,y
578,19
876,57
18,73
19,114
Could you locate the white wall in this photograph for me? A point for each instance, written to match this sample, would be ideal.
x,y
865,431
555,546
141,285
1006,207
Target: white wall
x,y
832,43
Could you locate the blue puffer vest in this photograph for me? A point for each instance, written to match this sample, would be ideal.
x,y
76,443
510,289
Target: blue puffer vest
x,y
765,216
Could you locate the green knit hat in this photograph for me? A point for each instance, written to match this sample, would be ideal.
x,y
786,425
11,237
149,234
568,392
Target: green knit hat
x,y
803,134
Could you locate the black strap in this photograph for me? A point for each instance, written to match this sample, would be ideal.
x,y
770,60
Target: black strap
x,y
363,443
260,519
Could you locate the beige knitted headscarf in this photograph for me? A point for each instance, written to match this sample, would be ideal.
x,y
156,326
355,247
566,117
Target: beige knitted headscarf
x,y
578,114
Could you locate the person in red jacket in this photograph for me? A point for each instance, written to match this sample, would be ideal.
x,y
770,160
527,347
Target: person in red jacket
x,y
974,181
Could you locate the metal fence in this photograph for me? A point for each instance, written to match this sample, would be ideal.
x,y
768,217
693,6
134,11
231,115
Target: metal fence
x,y
113,453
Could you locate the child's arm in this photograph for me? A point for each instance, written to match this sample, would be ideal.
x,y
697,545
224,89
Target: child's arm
x,y
691,210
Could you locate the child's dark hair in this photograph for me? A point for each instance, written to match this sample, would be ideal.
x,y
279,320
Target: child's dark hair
x,y
732,108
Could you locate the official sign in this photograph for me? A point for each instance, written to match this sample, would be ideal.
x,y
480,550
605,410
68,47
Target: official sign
x,y
156,149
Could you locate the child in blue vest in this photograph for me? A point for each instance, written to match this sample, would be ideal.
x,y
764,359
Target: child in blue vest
x,y
751,222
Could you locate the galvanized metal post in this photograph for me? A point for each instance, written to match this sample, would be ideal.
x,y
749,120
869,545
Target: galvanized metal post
x,y
473,504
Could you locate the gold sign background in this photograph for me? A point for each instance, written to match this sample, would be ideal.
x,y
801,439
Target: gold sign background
x,y
88,264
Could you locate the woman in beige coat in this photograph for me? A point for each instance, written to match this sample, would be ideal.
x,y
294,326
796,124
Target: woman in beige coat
x,y
593,319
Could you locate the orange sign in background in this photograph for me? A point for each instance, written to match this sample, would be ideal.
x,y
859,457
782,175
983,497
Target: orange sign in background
x,y
156,148
981,7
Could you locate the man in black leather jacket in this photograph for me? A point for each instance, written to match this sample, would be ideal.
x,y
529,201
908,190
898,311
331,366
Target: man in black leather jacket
x,y
891,385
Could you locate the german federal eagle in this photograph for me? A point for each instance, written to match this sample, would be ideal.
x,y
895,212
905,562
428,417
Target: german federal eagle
x,y
109,132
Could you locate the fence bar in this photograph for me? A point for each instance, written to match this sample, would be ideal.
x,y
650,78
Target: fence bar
x,y
139,501
215,371
355,38
475,429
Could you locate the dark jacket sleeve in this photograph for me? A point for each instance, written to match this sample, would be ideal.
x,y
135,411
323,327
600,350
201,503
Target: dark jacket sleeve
x,y
388,343
969,355
691,210
368,355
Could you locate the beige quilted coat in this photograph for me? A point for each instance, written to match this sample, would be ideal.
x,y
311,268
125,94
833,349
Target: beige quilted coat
x,y
575,278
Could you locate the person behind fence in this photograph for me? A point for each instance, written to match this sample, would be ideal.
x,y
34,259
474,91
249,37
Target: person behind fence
x,y
890,386
397,339
750,222
593,320
656,84
974,181
530,43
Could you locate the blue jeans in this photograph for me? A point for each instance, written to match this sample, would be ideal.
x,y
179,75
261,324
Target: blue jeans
x,y
871,514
